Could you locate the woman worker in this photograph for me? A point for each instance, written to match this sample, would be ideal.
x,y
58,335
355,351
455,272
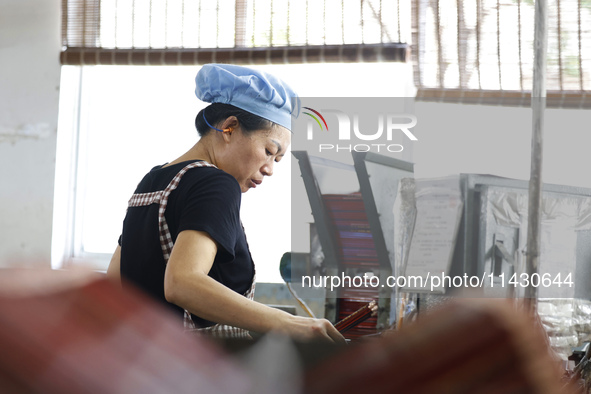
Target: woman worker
x,y
182,239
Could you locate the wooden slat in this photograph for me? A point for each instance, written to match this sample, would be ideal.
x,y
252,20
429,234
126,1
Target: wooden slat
x,y
519,43
581,86
277,55
559,30
439,45
513,98
461,59
478,20
499,44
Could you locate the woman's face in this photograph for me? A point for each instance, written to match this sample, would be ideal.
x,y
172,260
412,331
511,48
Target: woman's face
x,y
251,157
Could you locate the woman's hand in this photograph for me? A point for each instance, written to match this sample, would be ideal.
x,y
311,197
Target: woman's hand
x,y
309,329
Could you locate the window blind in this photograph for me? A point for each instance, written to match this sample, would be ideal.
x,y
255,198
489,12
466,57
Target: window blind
x,y
184,32
481,51
471,51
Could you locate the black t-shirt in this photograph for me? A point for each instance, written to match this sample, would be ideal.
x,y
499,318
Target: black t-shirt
x,y
206,199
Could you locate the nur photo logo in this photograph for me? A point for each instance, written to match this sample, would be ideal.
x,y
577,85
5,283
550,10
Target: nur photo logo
x,y
375,130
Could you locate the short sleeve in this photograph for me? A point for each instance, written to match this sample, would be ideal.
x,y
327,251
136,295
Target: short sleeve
x,y
212,204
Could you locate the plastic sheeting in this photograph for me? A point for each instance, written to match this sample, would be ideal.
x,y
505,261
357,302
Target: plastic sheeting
x,y
510,208
567,323
567,320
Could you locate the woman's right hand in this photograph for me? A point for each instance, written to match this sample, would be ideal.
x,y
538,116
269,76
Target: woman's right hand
x,y
309,329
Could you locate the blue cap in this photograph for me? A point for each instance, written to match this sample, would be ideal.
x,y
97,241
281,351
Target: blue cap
x,y
251,90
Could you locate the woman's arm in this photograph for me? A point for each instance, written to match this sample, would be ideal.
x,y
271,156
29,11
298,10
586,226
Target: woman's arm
x,y
187,284
114,270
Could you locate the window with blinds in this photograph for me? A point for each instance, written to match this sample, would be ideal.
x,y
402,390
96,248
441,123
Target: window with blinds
x,y
183,32
481,51
472,51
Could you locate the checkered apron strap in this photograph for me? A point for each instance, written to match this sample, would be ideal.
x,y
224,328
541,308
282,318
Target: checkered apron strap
x,y
143,199
165,239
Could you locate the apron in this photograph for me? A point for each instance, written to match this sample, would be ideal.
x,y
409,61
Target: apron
x,y
161,198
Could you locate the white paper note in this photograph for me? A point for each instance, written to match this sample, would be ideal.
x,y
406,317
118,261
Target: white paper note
x,y
439,210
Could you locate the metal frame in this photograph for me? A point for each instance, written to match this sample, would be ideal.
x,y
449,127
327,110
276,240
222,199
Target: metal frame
x,y
360,159
324,228
469,244
326,231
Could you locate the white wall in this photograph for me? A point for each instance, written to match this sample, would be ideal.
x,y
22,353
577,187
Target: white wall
x,y
29,89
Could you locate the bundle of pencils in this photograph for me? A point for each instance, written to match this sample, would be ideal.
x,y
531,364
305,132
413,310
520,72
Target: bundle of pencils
x,y
357,317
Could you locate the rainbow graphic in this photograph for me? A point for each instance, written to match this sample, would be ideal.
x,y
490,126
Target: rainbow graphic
x,y
316,119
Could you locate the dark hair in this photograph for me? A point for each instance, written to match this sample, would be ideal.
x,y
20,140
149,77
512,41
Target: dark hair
x,y
218,112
